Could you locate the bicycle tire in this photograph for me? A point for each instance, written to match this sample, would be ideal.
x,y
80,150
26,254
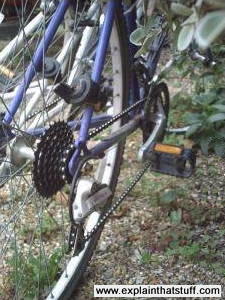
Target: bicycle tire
x,y
74,280
29,209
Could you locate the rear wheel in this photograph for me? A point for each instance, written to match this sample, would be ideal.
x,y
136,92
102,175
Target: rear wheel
x,y
34,230
107,171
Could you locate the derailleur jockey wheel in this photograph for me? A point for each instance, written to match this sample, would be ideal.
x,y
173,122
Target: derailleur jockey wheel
x,y
50,171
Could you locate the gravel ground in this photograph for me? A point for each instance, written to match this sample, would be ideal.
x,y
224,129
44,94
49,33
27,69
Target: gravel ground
x,y
138,226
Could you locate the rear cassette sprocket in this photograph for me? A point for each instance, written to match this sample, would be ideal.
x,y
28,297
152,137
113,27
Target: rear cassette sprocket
x,y
48,169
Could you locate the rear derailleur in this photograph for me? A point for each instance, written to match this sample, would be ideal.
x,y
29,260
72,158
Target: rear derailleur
x,y
87,196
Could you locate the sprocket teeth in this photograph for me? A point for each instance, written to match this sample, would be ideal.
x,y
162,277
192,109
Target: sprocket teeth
x,y
47,167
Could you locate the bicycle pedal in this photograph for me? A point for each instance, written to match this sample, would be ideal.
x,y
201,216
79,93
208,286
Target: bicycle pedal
x,y
172,160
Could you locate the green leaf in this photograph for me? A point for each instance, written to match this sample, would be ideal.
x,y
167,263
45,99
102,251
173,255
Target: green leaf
x,y
220,107
137,36
205,98
193,118
216,3
190,251
192,129
168,197
145,46
185,37
204,143
216,118
151,21
180,9
176,216
209,28
219,149
191,20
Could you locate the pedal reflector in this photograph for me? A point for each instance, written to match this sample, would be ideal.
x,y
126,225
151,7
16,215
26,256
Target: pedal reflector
x,y
165,148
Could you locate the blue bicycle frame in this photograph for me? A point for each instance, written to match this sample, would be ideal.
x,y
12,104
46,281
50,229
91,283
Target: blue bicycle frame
x,y
87,121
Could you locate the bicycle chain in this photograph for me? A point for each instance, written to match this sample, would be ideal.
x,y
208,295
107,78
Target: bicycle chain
x,y
104,126
110,211
35,113
136,179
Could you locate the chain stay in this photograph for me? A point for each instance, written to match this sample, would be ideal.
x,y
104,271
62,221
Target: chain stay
x,y
99,129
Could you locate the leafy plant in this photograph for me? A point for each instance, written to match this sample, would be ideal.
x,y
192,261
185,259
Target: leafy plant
x,y
199,21
168,197
146,257
29,276
202,106
208,115
196,24
176,216
48,226
144,35
190,252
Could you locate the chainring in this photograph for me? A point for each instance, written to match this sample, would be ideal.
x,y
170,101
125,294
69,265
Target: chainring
x,y
48,168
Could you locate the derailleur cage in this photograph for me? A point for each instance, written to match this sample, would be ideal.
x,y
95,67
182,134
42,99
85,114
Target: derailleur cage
x,y
90,196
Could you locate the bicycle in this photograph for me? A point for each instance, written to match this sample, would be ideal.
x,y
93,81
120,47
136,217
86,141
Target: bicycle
x,y
87,75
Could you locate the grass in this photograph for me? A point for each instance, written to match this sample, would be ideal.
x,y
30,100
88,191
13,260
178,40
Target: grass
x,y
48,227
183,214
30,276
186,208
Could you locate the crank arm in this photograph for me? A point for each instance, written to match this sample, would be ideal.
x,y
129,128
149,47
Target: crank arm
x,y
154,136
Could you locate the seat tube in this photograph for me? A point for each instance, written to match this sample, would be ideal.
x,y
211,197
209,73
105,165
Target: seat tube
x,y
104,40
96,77
131,18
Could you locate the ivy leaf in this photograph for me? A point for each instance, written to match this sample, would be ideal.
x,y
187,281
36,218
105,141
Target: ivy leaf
x,y
185,37
209,28
216,118
180,9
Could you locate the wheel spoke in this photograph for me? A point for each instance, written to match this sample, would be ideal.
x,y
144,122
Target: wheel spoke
x,y
34,234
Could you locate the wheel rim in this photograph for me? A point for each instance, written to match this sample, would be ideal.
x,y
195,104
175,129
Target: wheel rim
x,y
29,220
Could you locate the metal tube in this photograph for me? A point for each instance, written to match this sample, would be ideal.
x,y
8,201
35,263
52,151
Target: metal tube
x,y
37,59
74,125
96,76
80,143
116,137
85,125
104,40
